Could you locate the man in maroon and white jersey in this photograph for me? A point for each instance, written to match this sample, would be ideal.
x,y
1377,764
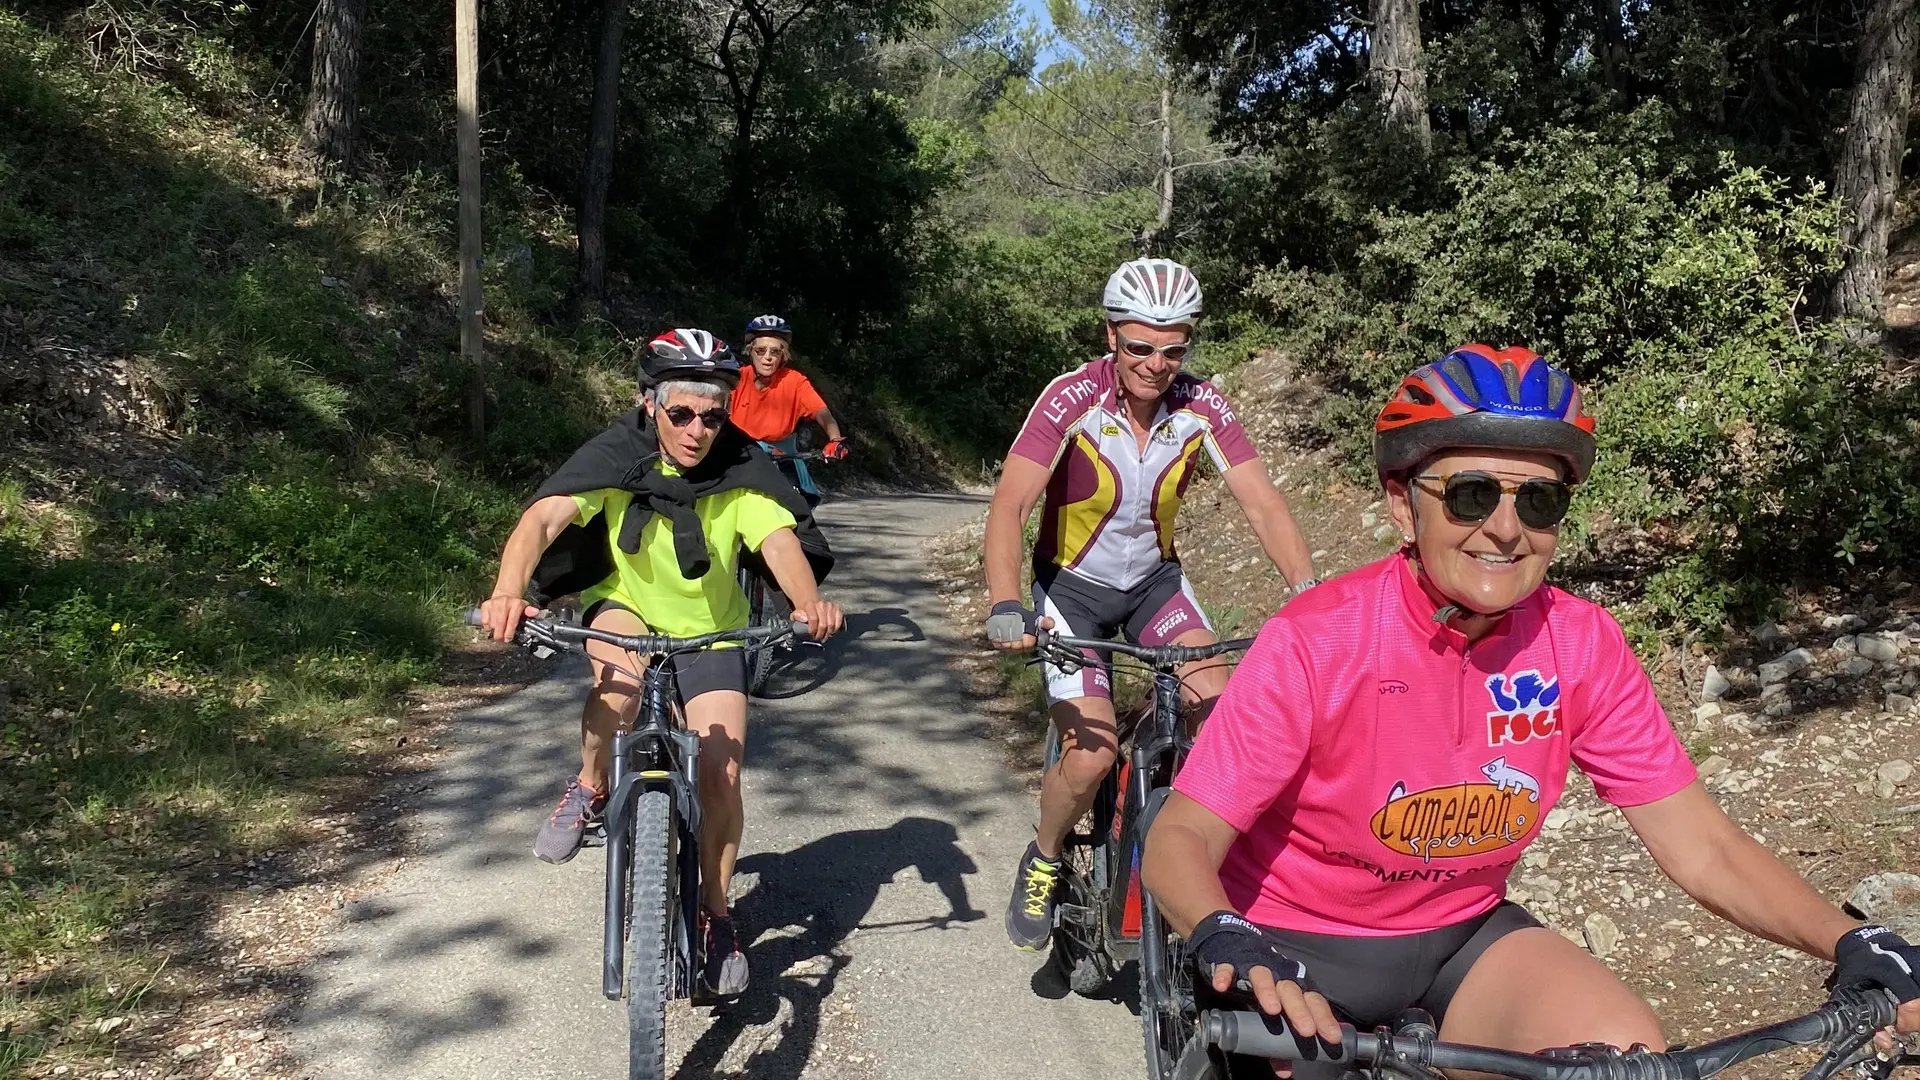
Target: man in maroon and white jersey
x,y
1113,446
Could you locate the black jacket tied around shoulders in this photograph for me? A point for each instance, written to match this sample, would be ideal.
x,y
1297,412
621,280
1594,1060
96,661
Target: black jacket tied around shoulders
x,y
627,457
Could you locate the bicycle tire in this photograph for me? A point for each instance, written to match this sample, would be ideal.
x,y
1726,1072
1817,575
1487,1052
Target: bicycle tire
x,y
1159,1004
1086,967
649,959
763,602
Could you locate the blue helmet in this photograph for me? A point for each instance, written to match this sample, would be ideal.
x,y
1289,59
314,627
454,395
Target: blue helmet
x,y
767,324
1480,397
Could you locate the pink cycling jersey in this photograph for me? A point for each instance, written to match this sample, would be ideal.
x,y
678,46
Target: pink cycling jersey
x,y
1385,776
1110,504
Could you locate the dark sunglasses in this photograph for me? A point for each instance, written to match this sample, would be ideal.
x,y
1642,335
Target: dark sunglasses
x,y
1471,497
767,350
1140,350
681,416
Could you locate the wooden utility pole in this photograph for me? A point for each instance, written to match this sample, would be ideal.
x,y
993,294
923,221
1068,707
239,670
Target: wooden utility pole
x,y
466,63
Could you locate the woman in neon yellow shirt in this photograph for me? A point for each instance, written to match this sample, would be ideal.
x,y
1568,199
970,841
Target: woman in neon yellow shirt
x,y
672,531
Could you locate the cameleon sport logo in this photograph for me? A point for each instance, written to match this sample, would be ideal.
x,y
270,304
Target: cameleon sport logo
x,y
1458,820
1524,707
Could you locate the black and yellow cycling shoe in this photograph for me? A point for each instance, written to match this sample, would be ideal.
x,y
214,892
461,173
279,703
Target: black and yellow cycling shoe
x,y
1030,912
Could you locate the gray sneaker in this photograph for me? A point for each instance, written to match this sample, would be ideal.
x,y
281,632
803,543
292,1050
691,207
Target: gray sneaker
x,y
1030,912
723,971
559,838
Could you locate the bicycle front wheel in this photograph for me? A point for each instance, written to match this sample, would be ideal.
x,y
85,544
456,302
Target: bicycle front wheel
x,y
649,963
1167,1014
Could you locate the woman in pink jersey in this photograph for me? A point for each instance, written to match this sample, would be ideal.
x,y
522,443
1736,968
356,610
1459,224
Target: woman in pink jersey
x,y
1340,839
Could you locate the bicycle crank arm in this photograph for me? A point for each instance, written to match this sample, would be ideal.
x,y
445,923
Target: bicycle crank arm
x,y
1075,915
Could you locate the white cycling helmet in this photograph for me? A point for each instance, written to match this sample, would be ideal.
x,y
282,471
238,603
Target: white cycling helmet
x,y
1158,292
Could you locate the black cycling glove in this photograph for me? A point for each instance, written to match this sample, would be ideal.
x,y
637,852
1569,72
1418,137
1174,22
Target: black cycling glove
x,y
1011,620
1876,956
1225,938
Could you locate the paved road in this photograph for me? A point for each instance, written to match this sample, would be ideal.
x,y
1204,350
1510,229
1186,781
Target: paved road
x,y
881,834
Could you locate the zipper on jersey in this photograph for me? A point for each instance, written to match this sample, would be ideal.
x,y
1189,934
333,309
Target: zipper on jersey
x,y
1460,697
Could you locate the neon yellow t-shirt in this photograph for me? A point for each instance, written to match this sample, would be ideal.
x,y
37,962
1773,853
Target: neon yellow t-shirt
x,y
649,581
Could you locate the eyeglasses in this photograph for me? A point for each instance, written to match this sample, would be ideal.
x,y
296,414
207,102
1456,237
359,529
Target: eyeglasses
x,y
767,350
1141,350
681,416
1471,497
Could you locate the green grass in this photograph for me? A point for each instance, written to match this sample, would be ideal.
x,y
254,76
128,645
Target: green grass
x,y
184,673
180,676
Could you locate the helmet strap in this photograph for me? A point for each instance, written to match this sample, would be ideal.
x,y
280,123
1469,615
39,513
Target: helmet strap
x,y
1448,610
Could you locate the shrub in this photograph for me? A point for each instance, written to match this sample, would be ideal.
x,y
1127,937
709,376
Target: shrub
x,y
1731,424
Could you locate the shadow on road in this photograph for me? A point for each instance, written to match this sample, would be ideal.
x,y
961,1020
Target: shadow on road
x,y
824,889
809,666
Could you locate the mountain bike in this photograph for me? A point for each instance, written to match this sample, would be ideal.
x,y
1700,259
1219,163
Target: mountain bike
x,y
766,604
1410,1050
651,829
1104,917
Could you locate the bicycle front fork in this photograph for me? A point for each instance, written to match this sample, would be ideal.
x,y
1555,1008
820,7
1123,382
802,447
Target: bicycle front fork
x,y
672,763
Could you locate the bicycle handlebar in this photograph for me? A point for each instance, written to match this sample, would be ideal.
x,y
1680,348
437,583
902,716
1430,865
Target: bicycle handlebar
x,y
776,453
1155,656
558,635
1846,1022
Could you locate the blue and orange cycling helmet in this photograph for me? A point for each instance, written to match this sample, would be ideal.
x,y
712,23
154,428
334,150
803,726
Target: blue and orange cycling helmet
x,y
1478,397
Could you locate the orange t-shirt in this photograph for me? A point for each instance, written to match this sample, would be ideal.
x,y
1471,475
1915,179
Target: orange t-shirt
x,y
773,413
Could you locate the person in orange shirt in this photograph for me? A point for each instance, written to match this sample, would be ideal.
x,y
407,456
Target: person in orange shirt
x,y
770,406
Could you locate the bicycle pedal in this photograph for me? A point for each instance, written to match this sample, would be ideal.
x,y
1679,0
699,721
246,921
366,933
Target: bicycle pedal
x,y
1072,915
595,835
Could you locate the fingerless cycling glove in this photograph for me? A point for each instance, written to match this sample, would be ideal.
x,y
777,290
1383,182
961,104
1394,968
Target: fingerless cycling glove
x,y
1224,937
1876,956
1011,620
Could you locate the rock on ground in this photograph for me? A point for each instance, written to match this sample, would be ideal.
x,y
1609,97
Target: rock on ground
x,y
1892,899
1602,935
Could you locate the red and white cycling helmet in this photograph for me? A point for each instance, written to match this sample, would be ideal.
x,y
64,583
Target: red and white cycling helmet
x,y
1158,292
688,352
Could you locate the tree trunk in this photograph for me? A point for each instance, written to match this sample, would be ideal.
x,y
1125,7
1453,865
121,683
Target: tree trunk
x,y
1610,43
1165,217
326,128
466,64
1396,68
1869,170
602,134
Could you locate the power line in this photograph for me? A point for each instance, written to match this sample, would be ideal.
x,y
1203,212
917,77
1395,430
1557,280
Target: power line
x,y
1020,108
1034,80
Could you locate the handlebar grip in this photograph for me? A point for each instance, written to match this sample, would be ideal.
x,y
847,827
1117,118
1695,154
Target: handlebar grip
x,y
475,618
1258,1035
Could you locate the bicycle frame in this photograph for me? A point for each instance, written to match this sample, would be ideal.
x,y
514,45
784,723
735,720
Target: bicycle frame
x,y
1142,782
1147,791
1109,915
655,753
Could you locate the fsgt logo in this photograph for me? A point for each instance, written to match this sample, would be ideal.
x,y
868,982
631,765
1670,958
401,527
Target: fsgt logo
x,y
1525,707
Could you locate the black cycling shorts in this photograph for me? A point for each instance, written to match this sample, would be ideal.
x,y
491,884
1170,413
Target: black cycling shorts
x,y
1155,611
1370,981
693,673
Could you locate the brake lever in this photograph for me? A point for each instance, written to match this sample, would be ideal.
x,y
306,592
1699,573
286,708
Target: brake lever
x,y
540,641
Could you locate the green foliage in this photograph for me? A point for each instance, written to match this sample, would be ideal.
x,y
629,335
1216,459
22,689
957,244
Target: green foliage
x,y
183,675
1760,441
999,314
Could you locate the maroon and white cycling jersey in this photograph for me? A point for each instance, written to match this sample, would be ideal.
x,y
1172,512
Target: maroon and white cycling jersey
x,y
1110,505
